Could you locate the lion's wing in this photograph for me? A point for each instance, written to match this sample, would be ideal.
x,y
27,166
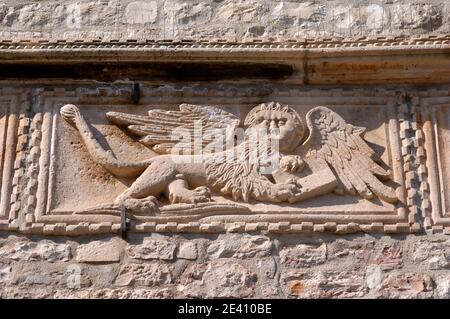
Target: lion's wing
x,y
341,145
163,130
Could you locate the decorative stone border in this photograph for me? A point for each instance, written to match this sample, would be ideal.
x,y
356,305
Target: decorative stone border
x,y
400,42
437,217
13,140
39,220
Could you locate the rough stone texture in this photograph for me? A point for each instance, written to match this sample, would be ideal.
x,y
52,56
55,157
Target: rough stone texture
x,y
240,246
386,254
303,255
267,267
324,284
361,266
222,279
148,275
24,250
228,265
405,286
176,19
101,276
90,293
141,12
135,293
187,250
443,286
98,251
53,275
5,273
152,249
432,254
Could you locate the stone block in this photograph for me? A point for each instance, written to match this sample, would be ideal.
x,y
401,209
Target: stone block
x,y
405,286
141,12
218,279
240,246
99,251
152,249
187,250
323,284
443,286
5,273
303,255
433,255
24,250
267,267
147,275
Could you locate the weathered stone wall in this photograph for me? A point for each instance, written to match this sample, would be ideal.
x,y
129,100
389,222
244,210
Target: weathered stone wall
x,y
225,265
176,19
231,265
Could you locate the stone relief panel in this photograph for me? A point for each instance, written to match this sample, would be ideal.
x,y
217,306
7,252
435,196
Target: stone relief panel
x,y
13,139
435,115
345,161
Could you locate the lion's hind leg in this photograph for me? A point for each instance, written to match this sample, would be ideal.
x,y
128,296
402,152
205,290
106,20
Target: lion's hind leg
x,y
142,195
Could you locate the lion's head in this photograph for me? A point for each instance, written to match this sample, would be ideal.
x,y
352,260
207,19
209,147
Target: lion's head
x,y
270,116
241,176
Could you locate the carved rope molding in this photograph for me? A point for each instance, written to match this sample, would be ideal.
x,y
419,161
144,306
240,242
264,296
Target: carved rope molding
x,y
37,170
319,43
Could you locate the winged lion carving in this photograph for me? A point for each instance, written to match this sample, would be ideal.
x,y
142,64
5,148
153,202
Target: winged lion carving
x,y
210,157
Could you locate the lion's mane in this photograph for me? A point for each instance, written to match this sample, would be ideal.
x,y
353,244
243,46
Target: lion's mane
x,y
237,177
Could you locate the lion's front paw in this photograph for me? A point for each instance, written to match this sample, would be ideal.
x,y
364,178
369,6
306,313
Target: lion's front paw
x,y
70,113
283,192
141,206
199,195
292,163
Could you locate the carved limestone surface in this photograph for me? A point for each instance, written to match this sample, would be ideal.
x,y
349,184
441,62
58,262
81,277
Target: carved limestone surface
x,y
13,129
434,150
279,159
347,164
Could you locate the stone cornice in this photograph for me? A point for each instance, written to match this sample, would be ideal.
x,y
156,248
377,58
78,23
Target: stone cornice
x,y
416,42
387,60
